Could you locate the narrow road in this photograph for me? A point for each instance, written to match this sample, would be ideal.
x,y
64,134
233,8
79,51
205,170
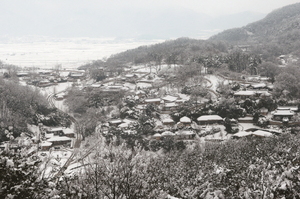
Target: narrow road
x,y
77,143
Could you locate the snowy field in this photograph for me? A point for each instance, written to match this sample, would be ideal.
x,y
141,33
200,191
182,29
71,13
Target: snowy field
x,y
69,52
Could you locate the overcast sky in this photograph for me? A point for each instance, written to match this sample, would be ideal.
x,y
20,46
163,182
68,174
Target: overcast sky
x,y
96,18
211,7
220,7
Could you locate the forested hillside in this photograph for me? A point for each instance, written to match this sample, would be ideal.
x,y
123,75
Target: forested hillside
x,y
21,105
171,52
278,33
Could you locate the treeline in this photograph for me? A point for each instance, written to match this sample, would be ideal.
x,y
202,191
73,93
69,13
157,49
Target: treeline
x,y
169,52
248,168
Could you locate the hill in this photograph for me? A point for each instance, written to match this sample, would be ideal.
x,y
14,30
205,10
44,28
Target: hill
x,y
177,51
278,33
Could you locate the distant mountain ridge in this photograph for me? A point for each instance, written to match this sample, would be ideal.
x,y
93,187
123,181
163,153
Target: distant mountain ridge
x,y
145,23
281,27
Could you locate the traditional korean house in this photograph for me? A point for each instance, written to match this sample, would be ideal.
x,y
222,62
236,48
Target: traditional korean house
x,y
185,134
59,140
168,121
282,115
169,99
170,106
209,119
244,94
153,101
56,131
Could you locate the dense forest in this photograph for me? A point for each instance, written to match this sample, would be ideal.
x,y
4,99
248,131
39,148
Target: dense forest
x,y
260,168
22,105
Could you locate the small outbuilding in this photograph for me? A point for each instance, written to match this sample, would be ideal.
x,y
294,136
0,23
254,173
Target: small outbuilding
x,y
157,136
169,99
185,121
115,122
69,132
45,145
168,121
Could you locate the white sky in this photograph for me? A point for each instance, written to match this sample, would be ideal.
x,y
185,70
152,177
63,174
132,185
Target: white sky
x,y
211,7
219,7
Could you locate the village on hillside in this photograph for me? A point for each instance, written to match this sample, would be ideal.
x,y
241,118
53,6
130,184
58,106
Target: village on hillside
x,y
172,113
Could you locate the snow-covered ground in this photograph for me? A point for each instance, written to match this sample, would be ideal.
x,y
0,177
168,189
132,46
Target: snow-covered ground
x,y
53,161
215,80
69,52
56,88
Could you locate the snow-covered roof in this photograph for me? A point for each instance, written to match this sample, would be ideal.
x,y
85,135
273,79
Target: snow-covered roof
x,y
245,93
55,129
185,120
59,96
242,134
262,133
129,75
167,133
260,85
245,118
170,98
263,109
114,87
263,92
116,121
59,138
184,132
141,106
283,113
292,108
152,100
169,105
123,125
180,101
49,135
68,131
168,120
209,118
157,135
140,92
46,143
264,78
96,85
